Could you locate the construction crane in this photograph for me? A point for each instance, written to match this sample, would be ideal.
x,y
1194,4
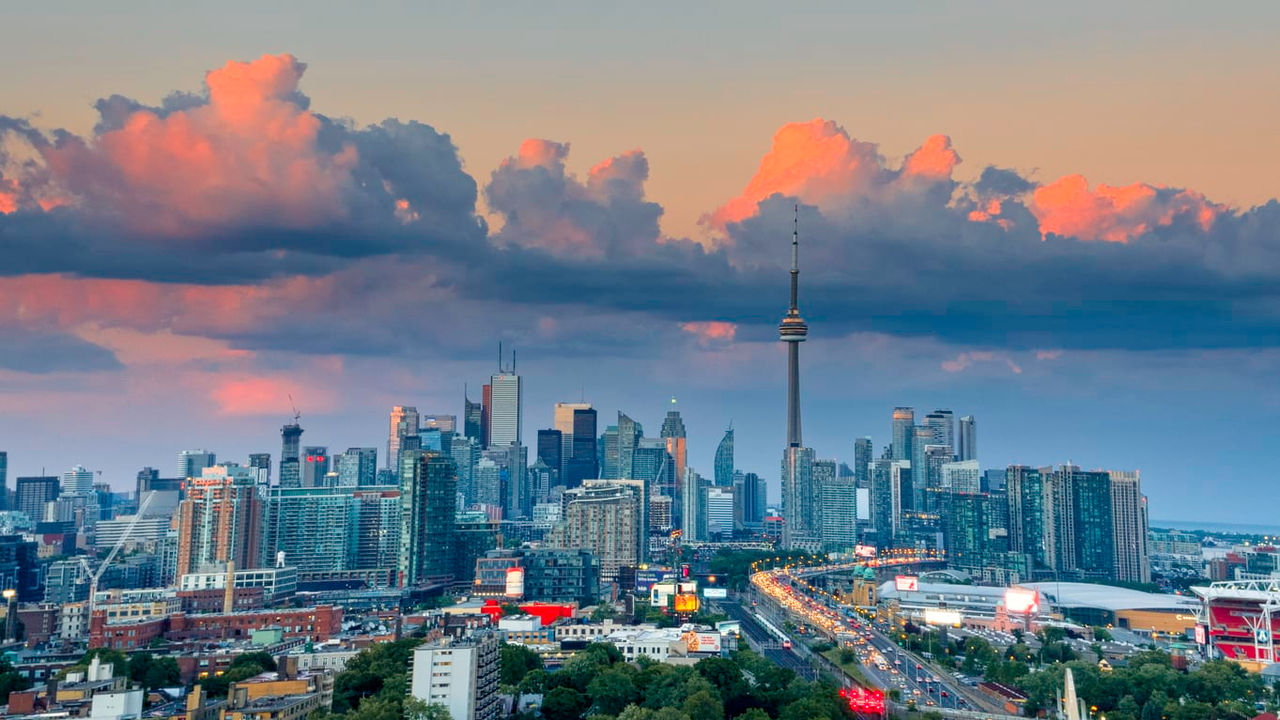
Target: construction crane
x,y
94,577
296,415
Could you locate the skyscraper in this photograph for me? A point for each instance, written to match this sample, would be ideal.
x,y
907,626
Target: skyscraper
x,y
724,459
466,453
358,467
942,423
673,432
1030,515
904,422
290,470
262,463
967,448
315,465
582,462
838,500
404,421
191,462
4,480
604,517
506,398
31,494
77,481
1129,518
862,450
797,461
629,434
428,500
563,421
550,449
472,418
221,520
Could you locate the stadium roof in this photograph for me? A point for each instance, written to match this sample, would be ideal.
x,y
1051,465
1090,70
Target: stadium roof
x,y
1107,597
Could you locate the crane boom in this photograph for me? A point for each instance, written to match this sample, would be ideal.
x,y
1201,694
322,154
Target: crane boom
x,y
124,537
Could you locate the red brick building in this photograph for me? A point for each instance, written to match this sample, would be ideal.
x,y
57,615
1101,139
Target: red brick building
x,y
316,624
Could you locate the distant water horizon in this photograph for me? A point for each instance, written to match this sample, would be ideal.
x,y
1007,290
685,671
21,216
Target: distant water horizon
x,y
1206,526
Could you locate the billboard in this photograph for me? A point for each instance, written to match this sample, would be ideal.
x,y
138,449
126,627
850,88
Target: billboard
x,y
864,551
713,593
1021,601
942,616
1202,636
702,642
686,603
646,579
515,583
906,583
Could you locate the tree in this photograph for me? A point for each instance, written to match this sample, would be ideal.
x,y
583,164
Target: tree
x,y
415,709
381,670
119,663
377,709
613,690
514,662
10,681
564,703
1101,634
703,705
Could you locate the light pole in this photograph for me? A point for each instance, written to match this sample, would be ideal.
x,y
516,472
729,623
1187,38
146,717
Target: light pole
x,y
10,618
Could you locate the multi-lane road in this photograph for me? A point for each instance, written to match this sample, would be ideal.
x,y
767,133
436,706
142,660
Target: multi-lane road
x,y
883,662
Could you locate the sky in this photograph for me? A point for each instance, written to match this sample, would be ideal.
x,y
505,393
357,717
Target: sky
x,y
1060,220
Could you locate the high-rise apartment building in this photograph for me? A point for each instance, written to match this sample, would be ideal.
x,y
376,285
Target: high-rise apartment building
x,y
403,421
751,495
962,477
1129,519
629,434
262,463
290,465
674,433
839,503
4,480
460,674
942,423
312,526
192,462
357,467
724,460
904,423
602,517
1031,515
799,500
967,448
921,437
428,498
376,528
221,520
1082,522
466,453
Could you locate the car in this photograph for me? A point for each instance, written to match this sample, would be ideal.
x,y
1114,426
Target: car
x,y
944,694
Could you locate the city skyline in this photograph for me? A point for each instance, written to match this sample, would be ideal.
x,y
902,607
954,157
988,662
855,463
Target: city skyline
x,y
383,266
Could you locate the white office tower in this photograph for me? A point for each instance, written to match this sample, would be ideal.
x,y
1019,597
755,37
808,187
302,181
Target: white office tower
x,y
77,481
460,674
505,402
720,512
1129,527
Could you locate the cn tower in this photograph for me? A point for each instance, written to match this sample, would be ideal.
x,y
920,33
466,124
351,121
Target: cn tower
x,y
797,470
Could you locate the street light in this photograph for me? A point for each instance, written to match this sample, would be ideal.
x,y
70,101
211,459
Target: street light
x,y
10,621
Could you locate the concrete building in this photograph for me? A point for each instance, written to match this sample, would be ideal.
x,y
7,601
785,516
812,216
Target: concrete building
x,y
602,517
221,520
461,674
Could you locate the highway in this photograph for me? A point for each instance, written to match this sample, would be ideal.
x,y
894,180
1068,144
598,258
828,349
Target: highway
x,y
883,662
763,642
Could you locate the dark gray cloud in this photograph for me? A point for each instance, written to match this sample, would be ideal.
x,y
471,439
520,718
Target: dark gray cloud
x,y
51,352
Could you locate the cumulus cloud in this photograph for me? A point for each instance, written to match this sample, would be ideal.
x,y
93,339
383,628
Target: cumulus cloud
x,y
1067,207
545,207
241,181
711,333
966,360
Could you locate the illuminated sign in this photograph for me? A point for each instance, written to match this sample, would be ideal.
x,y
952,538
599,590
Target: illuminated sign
x,y
702,642
686,603
1021,601
864,551
715,593
1201,635
515,582
942,616
906,583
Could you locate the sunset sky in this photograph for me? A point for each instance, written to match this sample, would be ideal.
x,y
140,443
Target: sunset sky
x,y
1059,219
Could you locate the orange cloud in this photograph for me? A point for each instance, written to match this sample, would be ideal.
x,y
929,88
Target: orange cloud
x,y
252,150
711,332
1069,208
268,395
819,163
